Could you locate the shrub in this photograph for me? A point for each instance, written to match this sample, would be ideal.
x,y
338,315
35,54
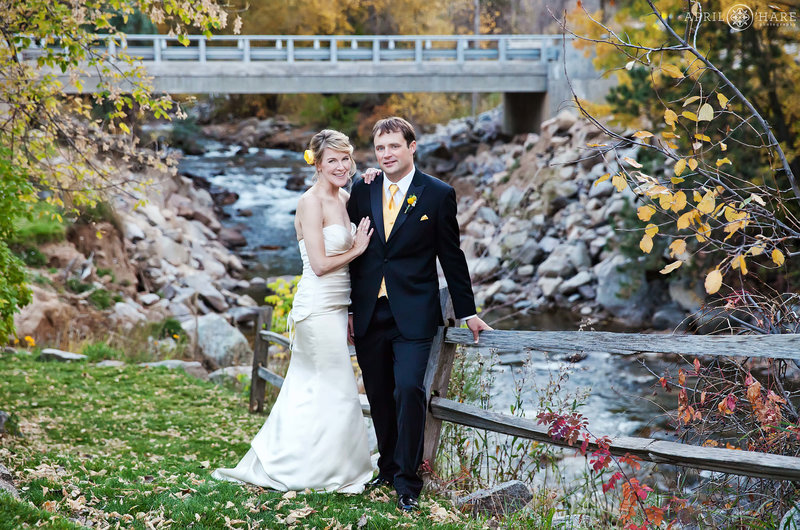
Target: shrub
x,y
31,256
77,286
107,272
99,351
101,299
282,300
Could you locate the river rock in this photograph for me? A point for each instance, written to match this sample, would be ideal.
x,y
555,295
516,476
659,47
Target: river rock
x,y
110,363
501,500
193,368
231,238
219,342
46,317
7,482
549,285
52,354
202,284
510,199
572,284
243,314
239,375
149,299
526,270
669,317
485,266
530,252
127,315
246,301
488,215
4,417
558,263
622,289
180,311
688,297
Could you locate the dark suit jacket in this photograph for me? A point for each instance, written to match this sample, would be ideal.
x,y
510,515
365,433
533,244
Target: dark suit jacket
x,y
408,259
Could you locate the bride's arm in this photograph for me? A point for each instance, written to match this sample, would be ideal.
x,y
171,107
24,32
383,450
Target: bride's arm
x,y
309,211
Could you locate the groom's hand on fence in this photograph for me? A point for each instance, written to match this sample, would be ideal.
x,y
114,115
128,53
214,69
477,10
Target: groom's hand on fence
x,y
476,325
350,329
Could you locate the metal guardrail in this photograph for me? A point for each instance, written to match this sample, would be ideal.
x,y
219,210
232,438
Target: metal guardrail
x,y
327,48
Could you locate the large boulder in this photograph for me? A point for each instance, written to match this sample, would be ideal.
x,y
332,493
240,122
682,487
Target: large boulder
x,y
219,342
503,499
622,289
46,317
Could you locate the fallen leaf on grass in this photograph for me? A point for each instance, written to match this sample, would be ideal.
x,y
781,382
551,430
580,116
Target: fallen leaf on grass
x,y
440,514
378,496
299,513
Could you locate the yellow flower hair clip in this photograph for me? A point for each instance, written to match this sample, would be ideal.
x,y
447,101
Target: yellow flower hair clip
x,y
308,156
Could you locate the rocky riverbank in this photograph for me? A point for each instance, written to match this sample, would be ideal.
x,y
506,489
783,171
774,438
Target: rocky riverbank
x,y
168,257
540,235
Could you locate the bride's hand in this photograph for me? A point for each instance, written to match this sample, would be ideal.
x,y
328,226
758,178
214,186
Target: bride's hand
x,y
370,174
363,233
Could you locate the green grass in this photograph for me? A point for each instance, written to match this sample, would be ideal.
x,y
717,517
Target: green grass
x,y
136,446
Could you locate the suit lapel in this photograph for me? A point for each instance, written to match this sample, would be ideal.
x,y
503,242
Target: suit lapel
x,y
416,188
376,201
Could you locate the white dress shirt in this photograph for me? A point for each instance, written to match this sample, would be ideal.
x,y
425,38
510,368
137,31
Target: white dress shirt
x,y
403,184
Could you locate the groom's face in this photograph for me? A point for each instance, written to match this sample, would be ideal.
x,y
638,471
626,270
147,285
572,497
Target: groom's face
x,y
394,155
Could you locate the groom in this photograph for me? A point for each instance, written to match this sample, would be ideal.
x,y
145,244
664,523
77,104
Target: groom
x,y
395,298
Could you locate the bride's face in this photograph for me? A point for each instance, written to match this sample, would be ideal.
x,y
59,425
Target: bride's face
x,y
334,166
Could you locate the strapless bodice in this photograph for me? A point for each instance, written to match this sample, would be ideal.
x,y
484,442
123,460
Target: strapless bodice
x,y
331,291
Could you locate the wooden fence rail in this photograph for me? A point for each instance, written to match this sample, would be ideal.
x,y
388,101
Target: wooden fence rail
x,y
448,337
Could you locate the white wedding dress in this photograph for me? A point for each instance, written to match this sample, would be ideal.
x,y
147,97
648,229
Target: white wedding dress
x,y
315,436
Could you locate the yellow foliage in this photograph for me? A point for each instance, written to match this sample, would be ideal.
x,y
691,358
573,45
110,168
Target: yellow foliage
x,y
777,257
677,247
713,281
646,244
678,202
619,181
645,212
671,267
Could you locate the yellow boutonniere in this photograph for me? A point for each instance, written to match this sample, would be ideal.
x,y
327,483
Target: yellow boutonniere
x,y
308,156
412,201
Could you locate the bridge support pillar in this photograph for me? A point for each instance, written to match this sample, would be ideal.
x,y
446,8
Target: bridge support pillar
x,y
523,112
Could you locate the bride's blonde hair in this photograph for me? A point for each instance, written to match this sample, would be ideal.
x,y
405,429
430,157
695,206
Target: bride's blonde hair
x,y
334,140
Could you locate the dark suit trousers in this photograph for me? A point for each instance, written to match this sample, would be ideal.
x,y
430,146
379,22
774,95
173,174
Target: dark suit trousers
x,y
394,371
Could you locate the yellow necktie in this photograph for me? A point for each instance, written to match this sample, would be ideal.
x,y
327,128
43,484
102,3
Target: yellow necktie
x,y
392,190
390,211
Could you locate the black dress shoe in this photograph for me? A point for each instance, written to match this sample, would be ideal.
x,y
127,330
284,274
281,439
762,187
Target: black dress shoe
x,y
407,503
378,482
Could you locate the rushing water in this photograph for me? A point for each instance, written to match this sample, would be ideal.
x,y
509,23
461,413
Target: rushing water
x,y
620,402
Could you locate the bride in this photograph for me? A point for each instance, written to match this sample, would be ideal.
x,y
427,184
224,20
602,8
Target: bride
x,y
315,436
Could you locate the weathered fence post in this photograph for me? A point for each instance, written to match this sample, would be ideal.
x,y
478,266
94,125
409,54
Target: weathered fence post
x,y
258,386
437,379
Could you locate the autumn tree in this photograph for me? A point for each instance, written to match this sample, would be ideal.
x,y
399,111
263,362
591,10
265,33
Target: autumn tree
x,y
711,100
52,150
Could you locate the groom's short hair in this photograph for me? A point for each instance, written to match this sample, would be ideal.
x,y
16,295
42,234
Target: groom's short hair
x,y
395,124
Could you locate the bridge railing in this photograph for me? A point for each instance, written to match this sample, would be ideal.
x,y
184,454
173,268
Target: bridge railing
x,y
328,48
440,363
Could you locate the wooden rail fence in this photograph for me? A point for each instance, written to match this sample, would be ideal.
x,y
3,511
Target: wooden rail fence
x,y
448,337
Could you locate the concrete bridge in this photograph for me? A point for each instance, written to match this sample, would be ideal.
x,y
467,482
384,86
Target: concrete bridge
x,y
527,69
